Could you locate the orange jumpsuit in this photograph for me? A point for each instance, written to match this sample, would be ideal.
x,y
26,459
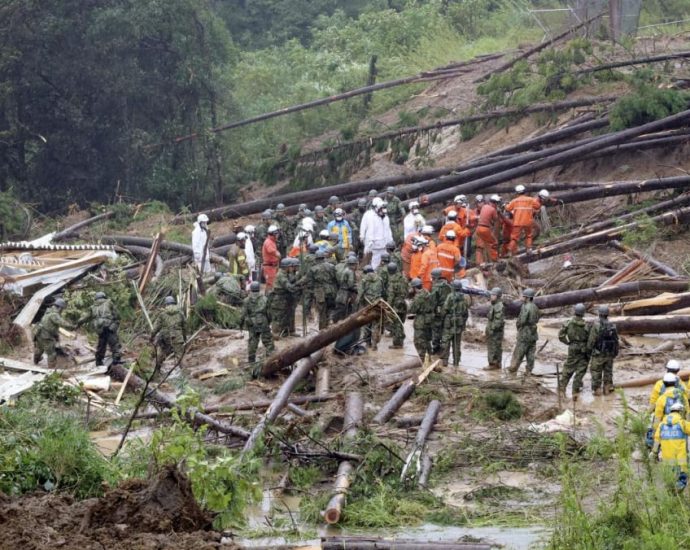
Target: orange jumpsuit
x,y
448,257
506,232
522,207
271,259
429,262
486,237
406,252
460,233
416,264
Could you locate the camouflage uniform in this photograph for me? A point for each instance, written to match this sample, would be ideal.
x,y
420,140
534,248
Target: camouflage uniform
x,y
494,334
382,272
575,334
228,290
105,321
323,284
396,258
396,213
370,290
603,352
440,290
423,309
282,303
455,314
46,336
526,345
355,219
169,331
260,235
306,295
283,241
256,318
398,290
346,296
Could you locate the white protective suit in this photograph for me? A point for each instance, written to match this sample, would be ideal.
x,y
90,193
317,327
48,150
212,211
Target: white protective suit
x,y
408,224
199,242
251,258
374,233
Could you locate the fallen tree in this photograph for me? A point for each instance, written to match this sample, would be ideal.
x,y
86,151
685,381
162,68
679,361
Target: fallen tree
x,y
649,380
652,324
73,230
307,346
623,188
403,394
658,305
186,250
656,264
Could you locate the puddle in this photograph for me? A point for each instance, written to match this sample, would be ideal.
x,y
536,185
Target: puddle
x,y
107,441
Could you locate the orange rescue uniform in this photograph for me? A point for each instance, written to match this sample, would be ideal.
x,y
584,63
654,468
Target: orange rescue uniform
x,y
406,252
522,208
271,259
460,233
416,264
486,237
429,262
448,257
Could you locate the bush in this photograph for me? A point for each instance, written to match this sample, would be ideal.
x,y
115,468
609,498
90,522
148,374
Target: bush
x,y
645,105
504,405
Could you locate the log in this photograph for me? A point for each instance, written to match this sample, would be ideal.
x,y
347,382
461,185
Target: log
x,y
73,230
663,303
425,471
419,448
180,248
623,188
631,62
146,274
375,543
649,380
194,417
546,251
352,419
402,395
656,264
301,370
323,378
588,295
307,346
263,403
623,274
651,324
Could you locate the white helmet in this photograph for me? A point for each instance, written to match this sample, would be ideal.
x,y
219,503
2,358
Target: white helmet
x,y
241,236
249,229
479,198
413,205
324,233
202,218
520,188
452,215
419,221
427,230
338,212
544,194
673,365
495,198
272,229
677,406
450,234
308,224
462,199
670,379
377,202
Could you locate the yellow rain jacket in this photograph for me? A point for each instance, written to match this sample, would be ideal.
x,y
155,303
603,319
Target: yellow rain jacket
x,y
669,397
659,388
671,435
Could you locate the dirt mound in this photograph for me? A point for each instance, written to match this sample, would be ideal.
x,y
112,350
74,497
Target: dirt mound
x,y
161,514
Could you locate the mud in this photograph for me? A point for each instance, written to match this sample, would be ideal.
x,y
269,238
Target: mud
x,y
161,514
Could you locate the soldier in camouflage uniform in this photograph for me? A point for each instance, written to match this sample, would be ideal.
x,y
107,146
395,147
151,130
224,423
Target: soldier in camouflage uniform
x,y
307,296
422,307
526,345
370,290
105,321
382,272
170,330
46,335
355,220
228,289
286,235
495,325
575,334
455,314
604,346
320,219
440,290
256,318
396,213
323,283
395,254
346,297
282,298
333,203
398,289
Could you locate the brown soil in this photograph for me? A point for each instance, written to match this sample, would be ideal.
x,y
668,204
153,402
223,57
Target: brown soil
x,y
161,514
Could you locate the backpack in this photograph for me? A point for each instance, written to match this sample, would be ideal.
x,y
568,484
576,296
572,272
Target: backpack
x,y
607,341
671,400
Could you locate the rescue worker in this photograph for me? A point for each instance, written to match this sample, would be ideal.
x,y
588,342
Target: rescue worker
x,y
672,393
346,297
455,314
237,256
422,307
495,325
382,272
526,345
375,232
169,331
323,241
396,213
333,203
201,244
256,319
604,346
286,234
522,209
105,321
671,437
408,246
672,366
487,245
249,248
46,334
373,193
398,289
440,290
262,233
419,245
270,256
320,218
429,262
449,257
340,228
575,334
414,221
355,219
506,231
229,289
370,290
282,300
453,225
323,283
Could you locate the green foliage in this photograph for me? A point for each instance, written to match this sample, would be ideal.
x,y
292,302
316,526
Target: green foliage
x,y
647,104
644,233
304,477
14,220
52,388
503,405
210,310
44,447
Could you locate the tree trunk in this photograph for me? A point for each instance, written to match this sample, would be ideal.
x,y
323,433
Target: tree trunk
x,y
623,188
656,264
402,395
323,338
636,61
126,240
649,380
659,305
73,230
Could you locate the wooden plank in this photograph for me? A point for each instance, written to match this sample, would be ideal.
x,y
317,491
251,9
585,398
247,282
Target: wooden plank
x,y
29,311
13,364
146,274
215,374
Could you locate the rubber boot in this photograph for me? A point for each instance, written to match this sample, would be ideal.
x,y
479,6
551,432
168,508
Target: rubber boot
x,y
493,366
608,388
576,396
597,392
